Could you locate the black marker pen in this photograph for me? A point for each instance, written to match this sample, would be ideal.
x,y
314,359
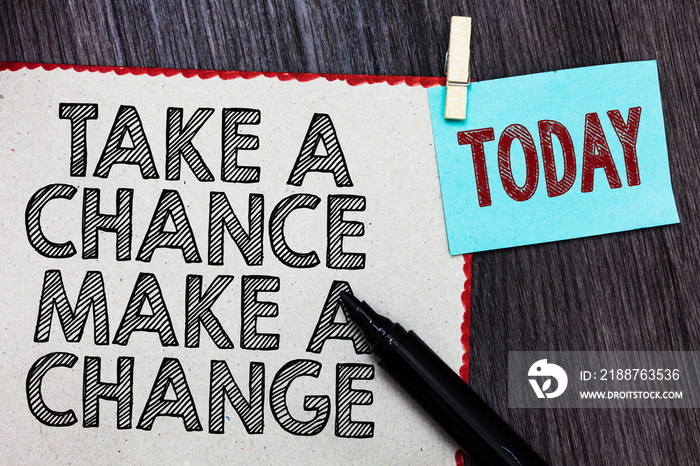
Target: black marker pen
x,y
453,405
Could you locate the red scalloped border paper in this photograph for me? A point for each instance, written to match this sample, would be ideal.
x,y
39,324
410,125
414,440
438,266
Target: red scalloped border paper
x,y
466,325
351,79
466,322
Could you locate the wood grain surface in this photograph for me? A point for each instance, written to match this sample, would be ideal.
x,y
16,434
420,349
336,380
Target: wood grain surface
x,y
637,290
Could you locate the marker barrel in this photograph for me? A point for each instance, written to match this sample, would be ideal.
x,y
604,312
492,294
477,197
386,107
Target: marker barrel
x,y
478,430
463,415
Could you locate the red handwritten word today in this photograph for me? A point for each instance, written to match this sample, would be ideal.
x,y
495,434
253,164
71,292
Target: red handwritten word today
x,y
596,154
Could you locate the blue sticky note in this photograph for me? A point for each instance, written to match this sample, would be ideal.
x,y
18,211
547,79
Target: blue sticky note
x,y
587,180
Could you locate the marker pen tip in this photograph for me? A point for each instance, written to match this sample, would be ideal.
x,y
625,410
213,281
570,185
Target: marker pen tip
x,y
350,302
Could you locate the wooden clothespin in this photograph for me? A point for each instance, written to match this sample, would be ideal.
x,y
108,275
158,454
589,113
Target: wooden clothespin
x,y
457,68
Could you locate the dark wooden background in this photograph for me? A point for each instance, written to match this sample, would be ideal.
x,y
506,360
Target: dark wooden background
x,y
629,291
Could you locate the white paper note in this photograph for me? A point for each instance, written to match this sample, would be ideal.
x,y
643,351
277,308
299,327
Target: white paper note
x,y
323,185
